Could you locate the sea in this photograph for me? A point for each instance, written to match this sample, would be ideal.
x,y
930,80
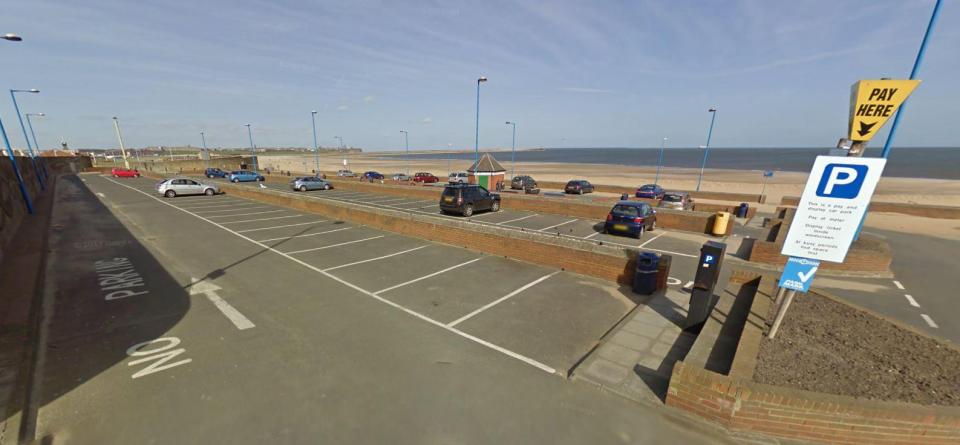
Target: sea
x,y
918,162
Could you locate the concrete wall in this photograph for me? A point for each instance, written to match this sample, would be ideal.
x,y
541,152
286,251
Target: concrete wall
x,y
868,254
924,210
720,196
178,166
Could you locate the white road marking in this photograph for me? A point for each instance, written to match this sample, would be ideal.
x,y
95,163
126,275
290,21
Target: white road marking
x,y
237,203
384,201
333,245
411,312
651,239
673,281
210,290
245,208
688,285
515,220
373,259
261,219
101,195
911,300
898,284
558,225
426,276
929,321
304,236
280,227
501,299
245,214
591,235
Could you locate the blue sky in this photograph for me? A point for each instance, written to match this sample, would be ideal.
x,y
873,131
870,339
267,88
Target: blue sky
x,y
575,74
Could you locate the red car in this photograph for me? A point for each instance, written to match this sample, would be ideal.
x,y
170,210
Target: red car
x,y
425,178
125,172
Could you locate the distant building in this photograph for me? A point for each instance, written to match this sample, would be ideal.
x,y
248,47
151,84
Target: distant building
x,y
486,172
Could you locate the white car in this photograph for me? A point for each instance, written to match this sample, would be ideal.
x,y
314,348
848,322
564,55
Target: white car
x,y
346,173
400,177
186,186
458,178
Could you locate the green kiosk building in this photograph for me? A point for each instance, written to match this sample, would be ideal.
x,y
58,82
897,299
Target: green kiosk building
x,y
487,172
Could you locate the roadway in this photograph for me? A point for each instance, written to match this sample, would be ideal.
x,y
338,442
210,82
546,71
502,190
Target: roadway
x,y
223,320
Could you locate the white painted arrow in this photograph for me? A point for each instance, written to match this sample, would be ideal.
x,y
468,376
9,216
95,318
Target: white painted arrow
x,y
210,290
806,276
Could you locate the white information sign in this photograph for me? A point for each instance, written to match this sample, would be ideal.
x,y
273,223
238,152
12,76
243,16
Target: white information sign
x,y
833,204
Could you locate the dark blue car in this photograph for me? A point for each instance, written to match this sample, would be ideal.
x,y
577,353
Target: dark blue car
x,y
372,176
651,191
630,218
215,173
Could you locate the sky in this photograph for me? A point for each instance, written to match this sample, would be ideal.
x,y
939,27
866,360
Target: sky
x,y
570,73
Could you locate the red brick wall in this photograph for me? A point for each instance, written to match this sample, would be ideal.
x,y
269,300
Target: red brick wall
x,y
866,255
924,210
752,407
712,208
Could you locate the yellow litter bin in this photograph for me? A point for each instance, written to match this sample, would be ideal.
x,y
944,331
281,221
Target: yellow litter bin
x,y
720,223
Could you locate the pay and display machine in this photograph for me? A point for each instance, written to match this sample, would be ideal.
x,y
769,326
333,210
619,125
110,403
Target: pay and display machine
x,y
708,273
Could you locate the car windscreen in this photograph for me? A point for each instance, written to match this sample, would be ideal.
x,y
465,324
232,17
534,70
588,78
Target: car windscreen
x,y
648,188
626,210
450,191
672,198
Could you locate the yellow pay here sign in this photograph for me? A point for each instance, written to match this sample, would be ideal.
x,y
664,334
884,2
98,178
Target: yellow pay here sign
x,y
872,102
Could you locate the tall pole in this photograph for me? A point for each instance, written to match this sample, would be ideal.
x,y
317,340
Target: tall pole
x,y
253,151
33,156
33,133
513,151
913,75
203,140
316,146
713,117
476,140
663,145
123,151
16,170
406,143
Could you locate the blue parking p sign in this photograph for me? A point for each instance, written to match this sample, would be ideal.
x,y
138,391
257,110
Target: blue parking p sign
x,y
798,273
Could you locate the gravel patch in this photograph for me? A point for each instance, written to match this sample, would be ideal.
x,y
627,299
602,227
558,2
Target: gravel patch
x,y
829,347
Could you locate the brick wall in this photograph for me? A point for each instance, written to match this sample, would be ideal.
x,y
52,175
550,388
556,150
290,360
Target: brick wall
x,y
598,261
924,210
720,196
868,254
713,208
752,407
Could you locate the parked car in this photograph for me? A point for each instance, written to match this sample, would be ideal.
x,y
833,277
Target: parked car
x,y
458,178
305,183
578,186
371,176
346,174
186,186
523,182
631,218
244,176
650,191
468,198
676,200
117,172
424,177
214,173
400,177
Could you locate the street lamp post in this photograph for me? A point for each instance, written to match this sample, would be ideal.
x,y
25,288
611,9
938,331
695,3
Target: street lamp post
x,y
341,142
206,153
663,145
706,151
253,151
123,150
476,140
13,160
316,146
30,125
406,141
513,151
33,156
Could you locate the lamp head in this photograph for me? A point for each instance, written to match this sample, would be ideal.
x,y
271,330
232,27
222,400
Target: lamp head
x,y
12,37
482,79
712,110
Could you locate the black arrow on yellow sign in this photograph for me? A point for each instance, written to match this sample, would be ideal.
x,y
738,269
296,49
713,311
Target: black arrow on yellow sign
x,y
865,128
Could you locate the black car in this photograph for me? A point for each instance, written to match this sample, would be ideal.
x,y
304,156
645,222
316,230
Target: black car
x,y
372,176
523,182
578,186
468,198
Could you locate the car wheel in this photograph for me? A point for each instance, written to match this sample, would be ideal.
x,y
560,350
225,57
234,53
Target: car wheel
x,y
209,176
495,207
639,234
468,210
209,192
115,176
580,192
653,225
326,187
260,179
235,180
303,188
136,175
170,194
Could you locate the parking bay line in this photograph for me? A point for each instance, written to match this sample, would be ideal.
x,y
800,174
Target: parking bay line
x,y
260,219
244,209
410,312
898,284
304,236
232,204
929,321
501,299
333,245
557,225
245,214
911,300
651,239
426,276
513,220
280,227
374,259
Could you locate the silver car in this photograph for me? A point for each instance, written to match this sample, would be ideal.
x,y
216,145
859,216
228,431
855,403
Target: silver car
x,y
676,200
458,178
400,177
305,183
186,186
346,174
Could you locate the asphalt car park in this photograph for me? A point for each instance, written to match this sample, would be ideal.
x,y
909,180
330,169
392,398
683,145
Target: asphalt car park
x,y
542,316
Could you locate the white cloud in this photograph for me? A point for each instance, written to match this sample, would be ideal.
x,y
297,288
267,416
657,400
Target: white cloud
x,y
369,99
427,120
343,108
585,90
